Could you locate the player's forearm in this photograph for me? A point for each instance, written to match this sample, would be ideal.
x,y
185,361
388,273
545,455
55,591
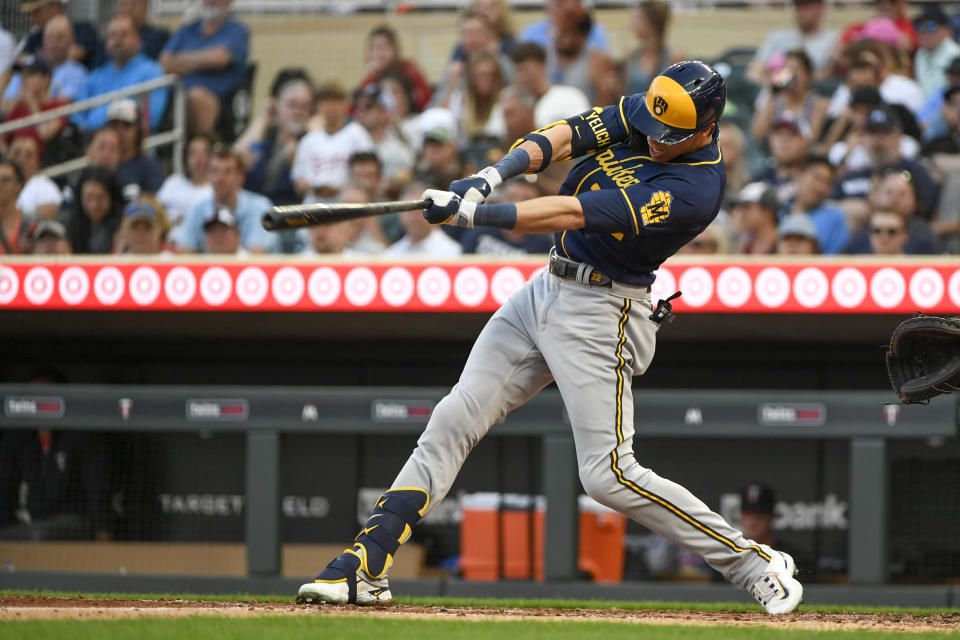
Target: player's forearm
x,y
559,138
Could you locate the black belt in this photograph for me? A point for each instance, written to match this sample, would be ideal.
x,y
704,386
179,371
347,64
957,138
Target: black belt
x,y
579,271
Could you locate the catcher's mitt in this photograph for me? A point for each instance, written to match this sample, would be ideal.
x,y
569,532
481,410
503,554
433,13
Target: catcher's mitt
x,y
924,357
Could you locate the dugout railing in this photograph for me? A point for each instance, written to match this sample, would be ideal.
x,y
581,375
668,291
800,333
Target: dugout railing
x,y
269,413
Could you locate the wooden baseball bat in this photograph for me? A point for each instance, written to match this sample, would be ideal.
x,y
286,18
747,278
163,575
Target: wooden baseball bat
x,y
312,215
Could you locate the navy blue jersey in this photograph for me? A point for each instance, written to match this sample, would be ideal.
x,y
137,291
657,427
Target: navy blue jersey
x,y
637,212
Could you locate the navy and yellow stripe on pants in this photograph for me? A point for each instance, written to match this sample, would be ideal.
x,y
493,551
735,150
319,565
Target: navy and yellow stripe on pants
x,y
614,455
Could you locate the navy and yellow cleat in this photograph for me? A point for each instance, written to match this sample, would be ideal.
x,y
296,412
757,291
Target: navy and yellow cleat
x,y
776,588
359,574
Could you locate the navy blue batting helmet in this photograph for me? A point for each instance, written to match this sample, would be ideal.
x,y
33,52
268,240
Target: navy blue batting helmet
x,y
685,98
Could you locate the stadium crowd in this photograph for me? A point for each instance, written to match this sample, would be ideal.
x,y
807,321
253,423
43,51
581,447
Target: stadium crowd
x,y
834,142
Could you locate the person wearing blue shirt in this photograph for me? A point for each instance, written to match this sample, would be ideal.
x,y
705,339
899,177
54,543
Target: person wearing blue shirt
x,y
68,74
226,178
153,38
814,184
541,32
126,68
211,56
87,49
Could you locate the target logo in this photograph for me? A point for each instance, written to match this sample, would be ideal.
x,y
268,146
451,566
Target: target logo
x,y
810,287
926,288
9,285
180,286
288,286
697,286
772,287
734,287
433,286
664,286
108,286
887,288
323,286
849,287
470,287
144,286
215,286
74,285
360,286
396,286
505,281
252,286
38,285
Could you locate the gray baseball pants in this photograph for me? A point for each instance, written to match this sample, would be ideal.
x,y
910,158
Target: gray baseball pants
x,y
591,341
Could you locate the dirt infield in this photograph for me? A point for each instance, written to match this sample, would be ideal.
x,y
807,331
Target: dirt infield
x,y
42,607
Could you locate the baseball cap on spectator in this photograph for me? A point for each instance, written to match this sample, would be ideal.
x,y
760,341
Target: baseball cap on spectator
x,y
223,215
140,210
790,121
757,498
759,193
866,95
125,110
49,227
437,124
883,29
883,119
930,18
29,5
797,224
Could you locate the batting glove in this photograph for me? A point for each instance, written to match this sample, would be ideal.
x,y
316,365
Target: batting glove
x,y
479,186
448,208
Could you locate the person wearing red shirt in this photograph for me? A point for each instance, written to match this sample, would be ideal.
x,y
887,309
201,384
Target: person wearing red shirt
x,y
894,10
34,97
11,218
383,57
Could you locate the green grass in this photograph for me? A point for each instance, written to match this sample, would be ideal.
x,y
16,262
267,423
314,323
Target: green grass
x,y
287,628
513,603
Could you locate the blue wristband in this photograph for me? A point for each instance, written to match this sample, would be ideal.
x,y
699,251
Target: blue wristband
x,y
546,148
503,216
513,164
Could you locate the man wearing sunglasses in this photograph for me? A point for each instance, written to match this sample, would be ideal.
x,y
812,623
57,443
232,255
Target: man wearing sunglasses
x,y
937,49
888,233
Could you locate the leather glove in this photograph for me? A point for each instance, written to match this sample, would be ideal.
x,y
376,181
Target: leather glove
x,y
478,187
448,208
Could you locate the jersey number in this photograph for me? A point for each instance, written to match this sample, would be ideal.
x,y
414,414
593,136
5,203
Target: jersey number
x,y
657,209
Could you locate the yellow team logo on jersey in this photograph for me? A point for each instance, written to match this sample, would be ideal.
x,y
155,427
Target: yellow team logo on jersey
x,y
657,209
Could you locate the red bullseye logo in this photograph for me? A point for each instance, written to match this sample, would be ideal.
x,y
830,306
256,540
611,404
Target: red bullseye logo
x,y
849,287
887,288
252,286
697,286
396,286
810,287
144,286
180,286
108,286
74,285
470,287
433,286
734,287
323,286
505,281
772,287
360,286
9,285
38,285
288,286
926,288
215,286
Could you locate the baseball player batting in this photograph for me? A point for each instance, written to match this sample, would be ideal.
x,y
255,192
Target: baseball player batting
x,y
652,178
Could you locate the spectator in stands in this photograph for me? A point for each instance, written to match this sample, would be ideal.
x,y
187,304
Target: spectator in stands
x,y
366,171
86,48
351,238
755,213
320,165
440,162
126,67
931,116
937,49
554,101
888,233
93,218
898,190
136,173
180,191
40,196
574,61
649,22
421,238
873,64
34,97
789,91
226,178
943,154
733,146
789,141
211,56
329,239
144,227
68,75
757,513
506,242
398,96
270,142
544,31
797,236
221,235
808,34
152,38
814,184
383,57
102,151
12,223
512,116
893,12
50,239
473,103
714,240
8,55
396,154
498,13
